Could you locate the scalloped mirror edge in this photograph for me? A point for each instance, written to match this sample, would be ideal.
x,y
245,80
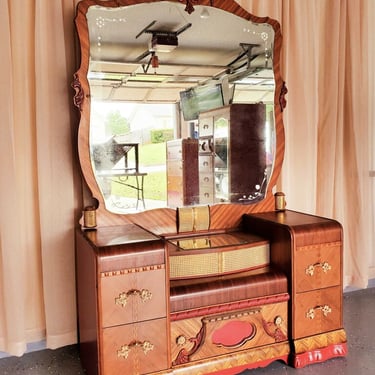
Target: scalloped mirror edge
x,y
162,221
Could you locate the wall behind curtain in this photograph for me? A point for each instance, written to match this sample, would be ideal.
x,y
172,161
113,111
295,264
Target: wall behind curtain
x,y
325,171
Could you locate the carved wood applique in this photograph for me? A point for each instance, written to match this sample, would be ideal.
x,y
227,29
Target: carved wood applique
x,y
184,355
79,95
273,330
282,100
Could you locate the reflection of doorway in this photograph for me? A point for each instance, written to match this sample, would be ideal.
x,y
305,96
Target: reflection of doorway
x,y
147,125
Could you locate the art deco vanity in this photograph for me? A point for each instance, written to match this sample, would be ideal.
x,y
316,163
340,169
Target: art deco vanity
x,y
226,279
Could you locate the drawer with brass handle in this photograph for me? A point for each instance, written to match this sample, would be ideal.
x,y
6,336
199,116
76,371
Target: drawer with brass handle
x,y
317,266
138,348
134,296
317,311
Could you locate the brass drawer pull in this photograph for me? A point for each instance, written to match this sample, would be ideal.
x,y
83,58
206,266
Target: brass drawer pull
x,y
325,310
146,346
122,299
311,268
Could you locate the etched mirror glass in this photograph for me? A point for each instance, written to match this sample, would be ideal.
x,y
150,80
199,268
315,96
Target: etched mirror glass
x,y
155,72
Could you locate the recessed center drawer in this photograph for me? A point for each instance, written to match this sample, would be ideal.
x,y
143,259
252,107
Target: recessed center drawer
x,y
134,296
207,336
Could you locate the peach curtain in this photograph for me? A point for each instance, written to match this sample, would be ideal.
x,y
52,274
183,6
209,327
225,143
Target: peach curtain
x,y
39,188
328,60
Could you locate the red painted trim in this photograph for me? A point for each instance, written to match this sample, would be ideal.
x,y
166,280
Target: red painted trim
x,y
319,355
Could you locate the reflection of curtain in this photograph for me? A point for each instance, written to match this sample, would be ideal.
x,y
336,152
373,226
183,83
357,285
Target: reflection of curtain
x,y
325,171
326,68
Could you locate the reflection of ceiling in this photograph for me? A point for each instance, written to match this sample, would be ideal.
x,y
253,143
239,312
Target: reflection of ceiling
x,y
217,46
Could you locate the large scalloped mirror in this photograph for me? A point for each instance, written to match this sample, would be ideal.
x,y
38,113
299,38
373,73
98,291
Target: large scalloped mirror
x,y
151,73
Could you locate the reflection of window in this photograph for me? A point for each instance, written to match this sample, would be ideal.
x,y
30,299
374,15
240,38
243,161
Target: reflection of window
x,y
221,152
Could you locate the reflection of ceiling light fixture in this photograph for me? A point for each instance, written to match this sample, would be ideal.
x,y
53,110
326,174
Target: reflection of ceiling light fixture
x,y
154,61
163,43
205,14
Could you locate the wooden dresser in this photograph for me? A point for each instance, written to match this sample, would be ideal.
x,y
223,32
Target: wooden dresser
x,y
231,284
182,172
140,315
122,300
229,137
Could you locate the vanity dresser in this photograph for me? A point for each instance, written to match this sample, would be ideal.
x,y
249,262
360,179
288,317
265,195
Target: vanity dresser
x,y
198,287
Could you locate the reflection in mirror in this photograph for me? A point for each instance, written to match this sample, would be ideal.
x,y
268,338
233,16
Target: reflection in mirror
x,y
158,74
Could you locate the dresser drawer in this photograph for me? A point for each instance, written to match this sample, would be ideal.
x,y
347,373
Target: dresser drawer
x,y
175,184
317,266
206,179
206,126
317,311
204,337
139,348
206,164
206,194
175,168
175,151
134,296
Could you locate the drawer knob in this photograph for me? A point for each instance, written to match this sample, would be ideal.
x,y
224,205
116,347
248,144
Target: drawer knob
x,y
124,351
122,299
324,309
278,321
311,268
181,340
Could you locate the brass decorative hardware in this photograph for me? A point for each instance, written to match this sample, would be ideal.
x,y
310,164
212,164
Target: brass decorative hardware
x,y
278,320
124,351
181,340
122,299
311,268
325,310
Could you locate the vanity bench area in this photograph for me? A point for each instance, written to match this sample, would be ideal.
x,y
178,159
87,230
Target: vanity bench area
x,y
219,277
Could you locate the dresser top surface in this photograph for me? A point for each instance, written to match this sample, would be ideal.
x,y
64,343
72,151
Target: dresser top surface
x,y
118,235
292,218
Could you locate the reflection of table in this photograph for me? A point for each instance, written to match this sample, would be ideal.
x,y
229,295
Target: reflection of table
x,y
123,177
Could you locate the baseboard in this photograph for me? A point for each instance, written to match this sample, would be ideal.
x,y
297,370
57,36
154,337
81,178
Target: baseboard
x,y
30,347
371,284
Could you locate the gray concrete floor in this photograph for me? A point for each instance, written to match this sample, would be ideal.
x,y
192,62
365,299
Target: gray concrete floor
x,y
359,314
